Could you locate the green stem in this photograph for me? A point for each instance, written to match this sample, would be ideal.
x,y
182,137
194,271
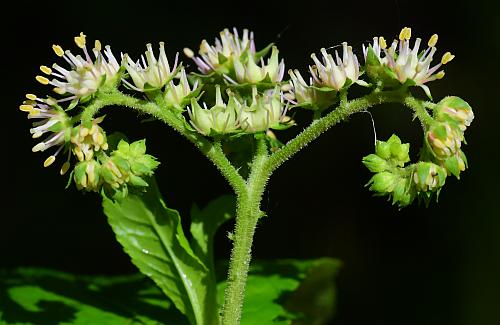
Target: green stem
x,y
213,151
321,125
418,106
247,214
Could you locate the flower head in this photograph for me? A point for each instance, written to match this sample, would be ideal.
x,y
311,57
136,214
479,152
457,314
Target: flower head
x,y
152,72
444,139
250,72
220,57
406,63
221,118
333,73
52,120
428,176
456,110
265,111
85,75
180,95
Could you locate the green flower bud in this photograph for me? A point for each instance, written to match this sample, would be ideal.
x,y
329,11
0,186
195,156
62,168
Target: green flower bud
x,y
383,182
394,150
403,194
428,176
383,149
250,72
456,163
455,109
178,96
87,175
444,139
375,163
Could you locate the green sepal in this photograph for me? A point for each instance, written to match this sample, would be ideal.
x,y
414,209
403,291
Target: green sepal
x,y
375,163
378,72
263,52
137,181
452,165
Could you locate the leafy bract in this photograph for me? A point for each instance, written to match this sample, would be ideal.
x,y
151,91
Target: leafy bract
x,y
152,236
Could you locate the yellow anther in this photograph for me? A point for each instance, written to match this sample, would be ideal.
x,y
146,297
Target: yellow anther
x,y
80,40
26,108
58,90
100,139
37,134
188,52
433,40
31,96
64,168
49,161
382,42
45,69
97,45
38,147
84,132
42,80
447,57
405,34
440,75
58,50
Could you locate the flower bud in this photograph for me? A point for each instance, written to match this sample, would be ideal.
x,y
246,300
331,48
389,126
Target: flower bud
x,y
394,150
87,175
455,109
383,182
375,163
87,140
266,111
444,139
456,163
178,96
428,176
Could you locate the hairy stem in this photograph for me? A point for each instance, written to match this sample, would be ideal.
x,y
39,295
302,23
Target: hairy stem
x,y
247,215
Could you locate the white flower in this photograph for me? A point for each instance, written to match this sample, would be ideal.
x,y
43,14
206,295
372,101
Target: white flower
x,y
85,75
333,73
178,95
300,90
51,120
220,118
250,72
410,63
230,46
154,72
266,111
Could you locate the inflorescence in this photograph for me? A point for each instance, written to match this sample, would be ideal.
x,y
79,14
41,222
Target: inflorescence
x,y
237,91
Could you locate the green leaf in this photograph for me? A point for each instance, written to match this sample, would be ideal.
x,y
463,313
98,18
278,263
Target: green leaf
x,y
282,291
152,236
205,222
40,296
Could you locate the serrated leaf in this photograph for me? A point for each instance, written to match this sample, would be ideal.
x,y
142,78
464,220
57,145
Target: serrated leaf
x,y
152,235
286,291
41,296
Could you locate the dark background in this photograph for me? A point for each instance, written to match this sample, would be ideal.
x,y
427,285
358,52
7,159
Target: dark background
x,y
436,265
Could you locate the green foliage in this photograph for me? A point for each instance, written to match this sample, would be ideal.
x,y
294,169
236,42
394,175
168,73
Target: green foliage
x,y
282,291
46,297
152,235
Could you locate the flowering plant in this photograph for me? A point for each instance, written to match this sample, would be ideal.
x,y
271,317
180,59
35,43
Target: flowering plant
x,y
237,96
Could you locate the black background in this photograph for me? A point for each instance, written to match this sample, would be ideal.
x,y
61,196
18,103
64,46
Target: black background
x,y
439,265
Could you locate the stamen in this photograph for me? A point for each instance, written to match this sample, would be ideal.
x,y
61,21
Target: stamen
x,y
26,108
447,57
188,52
39,147
49,161
405,34
31,96
80,40
433,40
42,80
45,69
59,90
97,45
58,50
440,75
64,168
382,42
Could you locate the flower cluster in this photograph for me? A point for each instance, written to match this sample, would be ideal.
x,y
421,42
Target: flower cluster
x,y
265,111
402,183
85,75
236,59
452,115
402,64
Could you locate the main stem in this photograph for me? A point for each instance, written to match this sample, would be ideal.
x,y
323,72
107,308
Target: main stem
x,y
247,214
